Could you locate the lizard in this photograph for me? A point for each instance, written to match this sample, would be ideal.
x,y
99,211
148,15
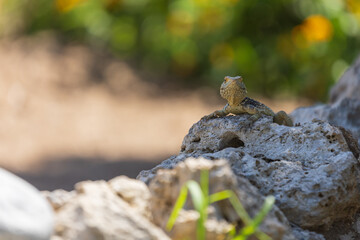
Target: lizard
x,y
233,89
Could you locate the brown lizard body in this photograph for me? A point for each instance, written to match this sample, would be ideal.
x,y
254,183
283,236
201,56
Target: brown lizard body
x,y
234,91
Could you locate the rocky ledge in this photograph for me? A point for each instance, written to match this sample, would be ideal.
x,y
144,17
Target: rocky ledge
x,y
310,169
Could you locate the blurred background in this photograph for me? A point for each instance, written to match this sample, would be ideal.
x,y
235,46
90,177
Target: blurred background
x,y
92,89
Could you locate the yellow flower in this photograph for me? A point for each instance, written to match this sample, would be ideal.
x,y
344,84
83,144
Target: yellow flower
x,y
315,28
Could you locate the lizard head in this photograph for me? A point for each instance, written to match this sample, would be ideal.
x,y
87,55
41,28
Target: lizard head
x,y
233,90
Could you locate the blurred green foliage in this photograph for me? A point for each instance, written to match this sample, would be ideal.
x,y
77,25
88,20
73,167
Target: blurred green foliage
x,y
296,46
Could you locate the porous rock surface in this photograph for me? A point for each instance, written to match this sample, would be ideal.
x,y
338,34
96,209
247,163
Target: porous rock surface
x,y
24,213
345,113
134,192
97,211
343,110
58,197
310,169
166,185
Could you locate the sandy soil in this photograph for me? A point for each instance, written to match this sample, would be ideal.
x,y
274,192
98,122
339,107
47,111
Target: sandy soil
x,y
69,114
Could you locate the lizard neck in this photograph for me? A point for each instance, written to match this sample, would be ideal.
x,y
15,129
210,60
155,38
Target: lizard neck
x,y
235,100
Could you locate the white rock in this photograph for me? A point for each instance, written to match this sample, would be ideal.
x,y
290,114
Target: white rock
x,y
96,212
134,192
59,197
24,213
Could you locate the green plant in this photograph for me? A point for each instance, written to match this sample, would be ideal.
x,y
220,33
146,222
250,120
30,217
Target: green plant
x,y
285,46
201,200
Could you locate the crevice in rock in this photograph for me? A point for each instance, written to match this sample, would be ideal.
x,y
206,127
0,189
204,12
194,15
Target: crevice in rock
x,y
230,139
267,160
351,141
196,140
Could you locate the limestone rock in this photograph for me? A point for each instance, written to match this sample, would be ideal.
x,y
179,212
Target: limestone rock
x,y
310,169
344,230
97,212
348,85
302,234
166,186
344,112
134,192
58,198
24,213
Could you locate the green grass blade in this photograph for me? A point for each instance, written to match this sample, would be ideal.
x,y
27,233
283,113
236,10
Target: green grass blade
x,y
267,206
204,183
177,207
251,228
215,197
262,236
200,205
196,194
240,210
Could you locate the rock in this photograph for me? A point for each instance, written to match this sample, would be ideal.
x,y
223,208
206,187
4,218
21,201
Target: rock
x,y
344,229
344,107
348,85
344,113
310,169
134,192
166,185
97,212
24,213
302,234
58,198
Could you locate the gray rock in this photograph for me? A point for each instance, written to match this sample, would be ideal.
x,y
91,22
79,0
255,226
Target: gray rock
x,y
310,169
348,85
24,213
348,229
302,234
97,212
166,186
345,113
344,107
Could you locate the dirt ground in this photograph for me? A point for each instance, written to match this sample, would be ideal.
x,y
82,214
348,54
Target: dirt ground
x,y
69,114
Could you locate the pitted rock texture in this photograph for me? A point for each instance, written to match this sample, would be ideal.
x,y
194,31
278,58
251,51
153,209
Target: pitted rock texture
x,y
58,197
302,234
134,192
309,168
345,113
348,85
166,186
98,211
